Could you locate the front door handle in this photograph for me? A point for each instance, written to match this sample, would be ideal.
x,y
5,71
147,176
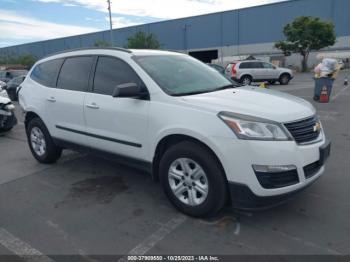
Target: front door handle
x,y
51,99
93,106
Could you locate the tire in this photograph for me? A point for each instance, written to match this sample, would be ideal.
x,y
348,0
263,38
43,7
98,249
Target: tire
x,y
272,82
284,79
10,123
246,80
46,151
211,180
3,130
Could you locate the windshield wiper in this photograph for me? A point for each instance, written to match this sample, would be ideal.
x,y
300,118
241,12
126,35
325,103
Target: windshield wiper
x,y
226,87
229,86
191,93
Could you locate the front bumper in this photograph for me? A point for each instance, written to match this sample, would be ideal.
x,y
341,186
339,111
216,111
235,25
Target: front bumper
x,y
238,158
243,198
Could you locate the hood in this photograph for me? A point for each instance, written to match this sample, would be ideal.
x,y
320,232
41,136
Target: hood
x,y
254,101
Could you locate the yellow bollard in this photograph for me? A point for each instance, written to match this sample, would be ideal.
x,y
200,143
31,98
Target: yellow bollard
x,y
262,85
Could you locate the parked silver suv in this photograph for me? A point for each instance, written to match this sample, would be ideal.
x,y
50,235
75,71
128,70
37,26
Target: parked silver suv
x,y
249,71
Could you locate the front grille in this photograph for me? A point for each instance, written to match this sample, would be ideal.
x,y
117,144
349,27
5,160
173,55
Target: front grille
x,y
304,131
312,169
277,180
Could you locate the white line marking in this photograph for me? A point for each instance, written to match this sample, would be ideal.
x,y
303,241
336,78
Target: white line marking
x,y
156,237
67,238
337,94
21,249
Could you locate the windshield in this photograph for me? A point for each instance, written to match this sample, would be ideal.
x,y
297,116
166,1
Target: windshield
x,y
182,75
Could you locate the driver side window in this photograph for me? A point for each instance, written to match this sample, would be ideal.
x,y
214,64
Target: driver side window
x,y
111,72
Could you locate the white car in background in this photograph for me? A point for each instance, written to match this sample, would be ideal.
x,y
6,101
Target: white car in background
x,y
208,142
249,71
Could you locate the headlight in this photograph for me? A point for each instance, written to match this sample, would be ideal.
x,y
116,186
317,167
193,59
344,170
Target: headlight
x,y
9,107
251,128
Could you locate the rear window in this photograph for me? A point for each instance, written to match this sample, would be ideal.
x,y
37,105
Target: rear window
x,y
75,73
46,72
246,65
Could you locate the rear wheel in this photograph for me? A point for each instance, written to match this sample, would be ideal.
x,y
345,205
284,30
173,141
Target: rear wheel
x,y
40,142
284,79
246,80
193,179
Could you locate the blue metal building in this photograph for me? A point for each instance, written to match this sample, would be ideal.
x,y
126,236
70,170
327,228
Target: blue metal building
x,y
237,32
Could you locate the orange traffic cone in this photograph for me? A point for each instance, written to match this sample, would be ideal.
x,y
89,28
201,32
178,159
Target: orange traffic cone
x,y
324,98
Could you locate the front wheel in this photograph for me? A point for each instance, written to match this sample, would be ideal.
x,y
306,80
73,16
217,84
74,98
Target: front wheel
x,y
40,142
193,179
284,79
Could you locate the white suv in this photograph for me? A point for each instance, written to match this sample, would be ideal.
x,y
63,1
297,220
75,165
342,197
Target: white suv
x,y
209,143
249,71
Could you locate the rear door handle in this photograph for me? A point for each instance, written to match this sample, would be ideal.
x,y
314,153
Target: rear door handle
x,y
51,99
93,106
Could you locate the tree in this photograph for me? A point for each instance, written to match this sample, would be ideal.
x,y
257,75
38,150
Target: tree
x,y
27,60
102,43
306,34
143,41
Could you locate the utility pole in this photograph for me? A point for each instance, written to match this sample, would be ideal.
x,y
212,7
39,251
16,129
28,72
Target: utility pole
x,y
185,28
110,21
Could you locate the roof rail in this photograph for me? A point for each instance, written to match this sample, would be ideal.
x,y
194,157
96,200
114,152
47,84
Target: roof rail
x,y
89,48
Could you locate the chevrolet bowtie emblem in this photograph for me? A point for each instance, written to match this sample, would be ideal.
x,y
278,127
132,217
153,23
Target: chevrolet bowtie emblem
x,y
317,127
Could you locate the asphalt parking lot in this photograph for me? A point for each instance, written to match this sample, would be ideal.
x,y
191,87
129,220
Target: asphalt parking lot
x,y
84,205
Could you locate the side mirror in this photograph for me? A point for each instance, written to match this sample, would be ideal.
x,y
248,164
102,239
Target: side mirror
x,y
129,90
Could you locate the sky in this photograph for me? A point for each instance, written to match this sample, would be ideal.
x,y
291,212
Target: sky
x,y
24,21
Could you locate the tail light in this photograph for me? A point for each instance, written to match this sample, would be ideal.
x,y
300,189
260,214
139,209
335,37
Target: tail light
x,y
234,72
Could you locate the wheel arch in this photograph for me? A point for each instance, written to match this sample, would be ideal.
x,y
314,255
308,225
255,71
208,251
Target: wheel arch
x,y
29,115
246,74
284,73
171,139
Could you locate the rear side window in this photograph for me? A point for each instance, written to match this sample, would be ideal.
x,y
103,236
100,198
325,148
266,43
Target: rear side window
x,y
245,65
75,73
257,65
111,72
46,73
250,65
